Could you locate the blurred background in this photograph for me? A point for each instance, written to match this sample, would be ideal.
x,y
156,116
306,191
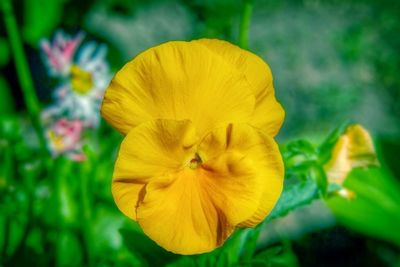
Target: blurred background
x,y
334,62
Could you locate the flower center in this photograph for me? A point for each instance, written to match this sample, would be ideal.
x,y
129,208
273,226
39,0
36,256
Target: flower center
x,y
195,162
56,140
81,80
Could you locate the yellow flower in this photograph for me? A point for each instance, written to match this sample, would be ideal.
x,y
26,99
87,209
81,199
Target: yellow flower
x,y
198,159
353,149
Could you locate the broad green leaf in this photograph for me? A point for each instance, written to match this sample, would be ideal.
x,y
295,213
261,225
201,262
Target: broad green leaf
x,y
375,210
295,194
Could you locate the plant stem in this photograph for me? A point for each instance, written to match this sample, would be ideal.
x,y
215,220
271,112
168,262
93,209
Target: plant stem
x,y
24,75
86,210
245,24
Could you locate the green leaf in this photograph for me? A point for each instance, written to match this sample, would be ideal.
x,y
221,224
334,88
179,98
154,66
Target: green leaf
x,y
375,210
295,194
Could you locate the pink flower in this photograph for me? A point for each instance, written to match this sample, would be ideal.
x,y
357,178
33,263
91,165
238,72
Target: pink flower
x,y
59,54
64,137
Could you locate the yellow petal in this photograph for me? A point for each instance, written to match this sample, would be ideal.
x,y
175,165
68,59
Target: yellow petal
x,y
194,210
361,150
179,215
253,67
353,149
232,183
178,81
268,113
339,165
269,158
151,149
127,193
259,153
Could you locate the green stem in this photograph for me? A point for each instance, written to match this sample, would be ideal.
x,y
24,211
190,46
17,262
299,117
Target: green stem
x,y
86,210
24,75
245,24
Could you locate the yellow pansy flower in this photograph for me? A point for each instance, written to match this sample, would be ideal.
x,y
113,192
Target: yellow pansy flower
x,y
198,158
353,149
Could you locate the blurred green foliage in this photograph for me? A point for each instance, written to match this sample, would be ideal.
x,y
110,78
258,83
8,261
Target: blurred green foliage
x,y
375,211
7,105
35,24
55,212
4,52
